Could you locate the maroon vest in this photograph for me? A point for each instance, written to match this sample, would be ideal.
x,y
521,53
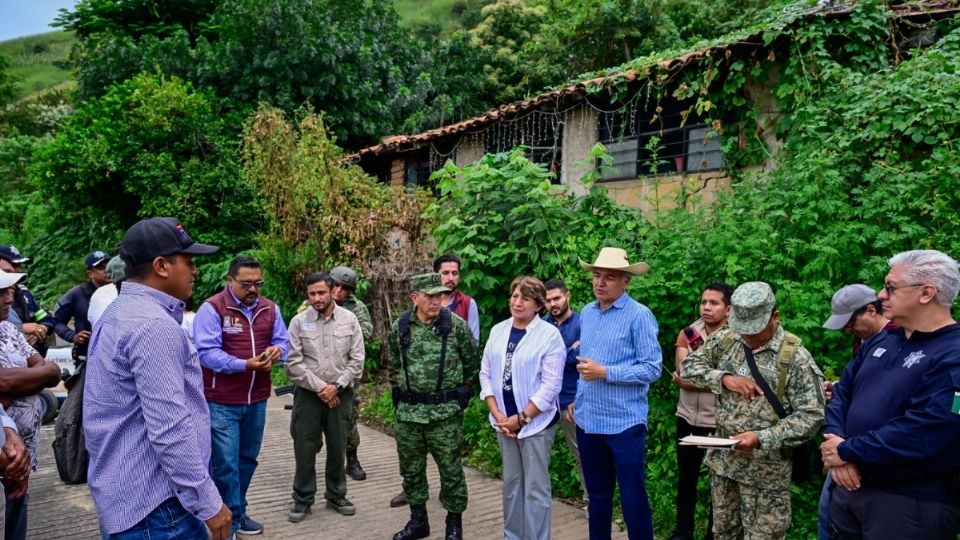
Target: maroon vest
x,y
242,341
460,304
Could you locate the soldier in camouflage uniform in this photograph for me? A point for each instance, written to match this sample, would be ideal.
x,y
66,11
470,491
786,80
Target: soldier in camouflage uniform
x,y
751,485
430,392
346,282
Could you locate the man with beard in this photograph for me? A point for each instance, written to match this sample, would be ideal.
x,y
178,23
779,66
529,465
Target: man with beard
x,y
326,360
568,322
239,335
448,266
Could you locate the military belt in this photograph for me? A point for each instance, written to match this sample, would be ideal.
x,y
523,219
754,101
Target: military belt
x,y
426,398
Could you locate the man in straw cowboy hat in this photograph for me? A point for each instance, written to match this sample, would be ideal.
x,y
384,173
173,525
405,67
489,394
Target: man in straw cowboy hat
x,y
619,359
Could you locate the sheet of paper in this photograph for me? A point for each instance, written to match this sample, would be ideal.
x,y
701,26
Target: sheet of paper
x,y
707,442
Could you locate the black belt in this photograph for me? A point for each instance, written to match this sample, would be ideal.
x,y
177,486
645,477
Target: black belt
x,y
426,398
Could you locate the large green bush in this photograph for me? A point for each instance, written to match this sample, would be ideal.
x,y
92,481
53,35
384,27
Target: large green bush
x,y
152,146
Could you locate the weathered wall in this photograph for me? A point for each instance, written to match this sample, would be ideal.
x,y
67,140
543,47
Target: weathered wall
x,y
469,150
397,170
579,136
665,192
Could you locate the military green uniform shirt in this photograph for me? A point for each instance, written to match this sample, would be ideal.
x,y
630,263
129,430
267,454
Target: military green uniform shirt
x,y
359,309
462,364
769,466
435,429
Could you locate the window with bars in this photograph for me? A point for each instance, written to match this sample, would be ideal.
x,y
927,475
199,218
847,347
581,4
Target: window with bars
x,y
668,145
541,133
417,169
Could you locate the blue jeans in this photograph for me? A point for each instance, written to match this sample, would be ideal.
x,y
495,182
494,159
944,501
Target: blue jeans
x,y
823,509
608,460
16,519
236,432
169,521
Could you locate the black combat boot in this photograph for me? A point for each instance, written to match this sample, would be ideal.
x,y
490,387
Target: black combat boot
x,y
454,526
354,470
417,527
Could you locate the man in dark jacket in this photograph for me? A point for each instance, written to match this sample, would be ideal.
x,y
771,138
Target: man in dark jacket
x,y
74,304
239,335
893,425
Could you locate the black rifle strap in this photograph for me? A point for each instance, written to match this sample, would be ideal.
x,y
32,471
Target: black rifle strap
x,y
444,327
767,391
404,328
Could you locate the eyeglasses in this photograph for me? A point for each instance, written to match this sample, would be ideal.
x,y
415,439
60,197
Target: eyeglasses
x,y
245,285
890,288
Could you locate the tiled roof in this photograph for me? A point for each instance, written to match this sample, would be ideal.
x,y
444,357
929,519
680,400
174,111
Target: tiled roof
x,y
828,8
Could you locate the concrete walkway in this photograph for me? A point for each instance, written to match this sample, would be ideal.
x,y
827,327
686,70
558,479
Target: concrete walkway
x,y
61,511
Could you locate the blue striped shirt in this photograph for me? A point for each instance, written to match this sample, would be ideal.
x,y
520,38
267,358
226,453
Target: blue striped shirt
x,y
623,338
145,419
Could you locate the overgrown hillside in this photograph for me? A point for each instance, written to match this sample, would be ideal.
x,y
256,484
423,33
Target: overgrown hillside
x,y
40,61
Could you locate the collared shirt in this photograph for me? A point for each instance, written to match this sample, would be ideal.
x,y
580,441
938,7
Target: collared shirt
x,y
24,412
536,370
208,336
570,332
325,350
623,338
145,419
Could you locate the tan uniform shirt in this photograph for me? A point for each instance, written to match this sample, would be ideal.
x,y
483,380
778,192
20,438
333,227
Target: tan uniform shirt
x,y
325,350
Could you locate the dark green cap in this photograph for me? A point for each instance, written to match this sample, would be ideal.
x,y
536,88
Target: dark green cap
x,y
427,284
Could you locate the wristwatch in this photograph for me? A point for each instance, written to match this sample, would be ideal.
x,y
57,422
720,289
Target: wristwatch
x,y
339,388
524,419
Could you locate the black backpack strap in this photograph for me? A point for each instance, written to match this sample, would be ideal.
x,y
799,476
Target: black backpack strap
x,y
767,391
443,327
403,328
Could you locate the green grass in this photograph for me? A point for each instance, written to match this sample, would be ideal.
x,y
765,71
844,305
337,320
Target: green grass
x,y
40,61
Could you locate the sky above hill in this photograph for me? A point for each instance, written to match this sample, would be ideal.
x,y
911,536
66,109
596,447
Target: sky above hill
x,y
20,18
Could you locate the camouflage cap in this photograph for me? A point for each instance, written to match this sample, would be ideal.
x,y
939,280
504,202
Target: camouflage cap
x,y
427,284
752,305
116,269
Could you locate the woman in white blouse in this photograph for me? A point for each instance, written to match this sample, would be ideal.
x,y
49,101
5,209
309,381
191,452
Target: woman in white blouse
x,y
520,379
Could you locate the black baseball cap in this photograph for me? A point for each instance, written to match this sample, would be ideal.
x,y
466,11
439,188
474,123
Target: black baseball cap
x,y
10,253
158,237
95,258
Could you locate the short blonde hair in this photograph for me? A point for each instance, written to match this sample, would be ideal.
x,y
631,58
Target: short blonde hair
x,y
530,287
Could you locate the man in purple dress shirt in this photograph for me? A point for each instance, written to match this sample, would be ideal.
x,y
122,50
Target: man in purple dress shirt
x,y
145,419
